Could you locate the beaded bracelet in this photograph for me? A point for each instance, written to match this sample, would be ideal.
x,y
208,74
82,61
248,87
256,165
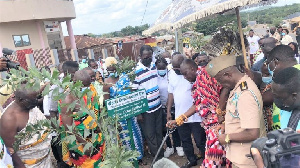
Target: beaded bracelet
x,y
181,119
220,112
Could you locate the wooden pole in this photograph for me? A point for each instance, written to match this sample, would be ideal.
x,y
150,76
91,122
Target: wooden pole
x,y
241,36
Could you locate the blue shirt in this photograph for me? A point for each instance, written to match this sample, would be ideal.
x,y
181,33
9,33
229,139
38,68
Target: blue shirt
x,y
284,119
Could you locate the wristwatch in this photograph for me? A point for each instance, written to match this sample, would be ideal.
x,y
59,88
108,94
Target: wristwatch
x,y
227,139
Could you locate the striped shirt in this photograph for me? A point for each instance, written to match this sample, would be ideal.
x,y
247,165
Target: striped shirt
x,y
147,78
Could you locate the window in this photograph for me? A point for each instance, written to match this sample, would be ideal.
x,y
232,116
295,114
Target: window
x,y
21,40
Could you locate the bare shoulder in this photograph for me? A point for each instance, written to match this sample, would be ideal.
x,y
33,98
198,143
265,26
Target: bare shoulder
x,y
8,119
9,115
69,98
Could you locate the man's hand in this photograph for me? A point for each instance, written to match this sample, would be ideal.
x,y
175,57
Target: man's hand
x,y
3,64
171,124
221,119
220,127
140,118
169,116
221,138
258,160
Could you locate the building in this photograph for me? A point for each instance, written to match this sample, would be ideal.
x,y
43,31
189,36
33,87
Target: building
x,y
35,24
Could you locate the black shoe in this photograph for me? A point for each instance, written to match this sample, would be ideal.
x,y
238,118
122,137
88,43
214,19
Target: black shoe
x,y
189,164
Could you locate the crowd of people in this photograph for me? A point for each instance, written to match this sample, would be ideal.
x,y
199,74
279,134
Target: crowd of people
x,y
215,103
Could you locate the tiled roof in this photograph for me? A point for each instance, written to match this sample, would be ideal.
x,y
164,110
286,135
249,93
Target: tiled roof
x,y
83,41
126,38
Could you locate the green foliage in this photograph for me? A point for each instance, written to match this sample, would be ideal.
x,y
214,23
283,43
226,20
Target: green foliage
x,y
197,42
126,66
273,16
115,155
126,31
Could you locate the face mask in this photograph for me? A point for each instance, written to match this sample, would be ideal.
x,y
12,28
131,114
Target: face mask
x,y
95,70
83,60
267,80
162,72
283,34
168,60
271,72
202,64
84,88
177,71
113,74
147,61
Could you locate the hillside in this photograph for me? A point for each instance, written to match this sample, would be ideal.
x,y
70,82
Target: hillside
x,y
272,16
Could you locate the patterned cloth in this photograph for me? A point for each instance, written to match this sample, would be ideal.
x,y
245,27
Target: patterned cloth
x,y
35,152
5,158
77,157
120,89
206,93
268,112
256,54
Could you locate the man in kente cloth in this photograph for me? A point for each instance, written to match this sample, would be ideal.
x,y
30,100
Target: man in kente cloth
x,y
77,157
33,151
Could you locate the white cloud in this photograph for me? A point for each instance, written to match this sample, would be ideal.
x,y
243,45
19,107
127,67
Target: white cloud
x,y
99,16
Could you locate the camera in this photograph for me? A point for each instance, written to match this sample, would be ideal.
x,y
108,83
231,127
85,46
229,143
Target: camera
x,y
281,149
10,64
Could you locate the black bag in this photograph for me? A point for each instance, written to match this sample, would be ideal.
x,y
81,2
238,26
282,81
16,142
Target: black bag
x,y
298,31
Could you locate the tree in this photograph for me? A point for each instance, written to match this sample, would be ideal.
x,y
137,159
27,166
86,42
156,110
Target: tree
x,y
116,155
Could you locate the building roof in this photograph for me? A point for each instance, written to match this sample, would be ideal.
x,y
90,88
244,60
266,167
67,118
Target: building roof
x,y
84,41
126,38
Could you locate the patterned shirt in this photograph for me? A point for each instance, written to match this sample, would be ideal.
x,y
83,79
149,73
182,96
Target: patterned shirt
x,y
206,93
147,78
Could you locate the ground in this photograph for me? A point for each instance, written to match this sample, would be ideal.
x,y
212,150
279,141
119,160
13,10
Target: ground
x,y
147,159
180,161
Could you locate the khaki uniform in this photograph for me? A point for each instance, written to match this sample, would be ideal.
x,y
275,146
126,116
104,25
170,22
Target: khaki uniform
x,y
244,111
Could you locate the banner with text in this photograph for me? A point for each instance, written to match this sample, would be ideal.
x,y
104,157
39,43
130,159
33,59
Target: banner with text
x,y
128,106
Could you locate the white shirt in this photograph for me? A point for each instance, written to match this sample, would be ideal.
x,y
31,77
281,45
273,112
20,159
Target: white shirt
x,y
181,90
259,57
253,42
286,40
163,88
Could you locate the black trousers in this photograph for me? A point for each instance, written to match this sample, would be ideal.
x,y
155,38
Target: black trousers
x,y
57,152
185,131
298,41
175,135
152,130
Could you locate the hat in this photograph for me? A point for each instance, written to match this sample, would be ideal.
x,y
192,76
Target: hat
x,y
110,61
217,64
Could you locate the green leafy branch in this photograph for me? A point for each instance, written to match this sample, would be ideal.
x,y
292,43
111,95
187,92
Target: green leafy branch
x,y
115,155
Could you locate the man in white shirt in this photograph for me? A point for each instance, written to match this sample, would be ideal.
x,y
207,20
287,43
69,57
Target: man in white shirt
x,y
179,93
253,44
163,82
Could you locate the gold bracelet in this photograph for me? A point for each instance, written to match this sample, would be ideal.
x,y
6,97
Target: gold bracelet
x,y
181,119
227,139
220,112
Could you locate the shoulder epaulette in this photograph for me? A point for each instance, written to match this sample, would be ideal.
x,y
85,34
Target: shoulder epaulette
x,y
244,86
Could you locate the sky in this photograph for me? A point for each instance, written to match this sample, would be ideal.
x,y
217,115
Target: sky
x,y
104,16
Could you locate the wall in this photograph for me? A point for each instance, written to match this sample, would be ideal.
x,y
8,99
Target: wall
x,y
20,10
7,30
